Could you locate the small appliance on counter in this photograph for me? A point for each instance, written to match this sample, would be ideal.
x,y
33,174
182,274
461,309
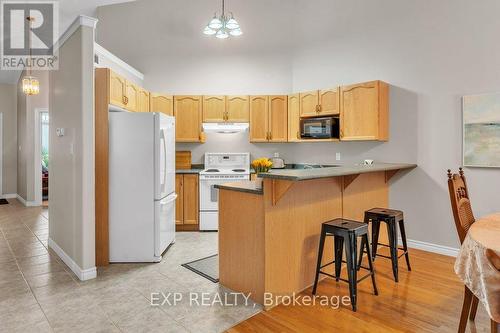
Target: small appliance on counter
x,y
278,162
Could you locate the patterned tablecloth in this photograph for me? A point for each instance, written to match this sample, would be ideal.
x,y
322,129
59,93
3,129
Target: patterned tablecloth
x,y
474,268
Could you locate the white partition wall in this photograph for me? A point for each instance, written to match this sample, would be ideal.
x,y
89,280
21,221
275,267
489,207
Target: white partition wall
x,y
71,174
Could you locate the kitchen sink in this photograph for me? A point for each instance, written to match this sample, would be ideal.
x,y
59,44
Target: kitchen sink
x,y
301,166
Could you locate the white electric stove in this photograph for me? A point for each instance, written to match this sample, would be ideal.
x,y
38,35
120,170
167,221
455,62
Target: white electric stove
x,y
220,168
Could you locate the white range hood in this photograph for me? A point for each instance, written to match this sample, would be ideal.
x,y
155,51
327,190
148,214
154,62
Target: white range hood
x,y
225,127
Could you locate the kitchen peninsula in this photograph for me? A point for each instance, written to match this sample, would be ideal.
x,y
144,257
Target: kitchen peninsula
x,y
269,244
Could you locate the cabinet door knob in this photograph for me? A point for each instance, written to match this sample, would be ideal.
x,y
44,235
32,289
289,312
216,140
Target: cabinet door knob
x,y
298,135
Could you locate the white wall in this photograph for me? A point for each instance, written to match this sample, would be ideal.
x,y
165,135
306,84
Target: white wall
x,y
434,52
431,52
8,108
71,173
163,40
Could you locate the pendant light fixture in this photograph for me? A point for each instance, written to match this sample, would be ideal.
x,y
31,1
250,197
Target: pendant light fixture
x,y
31,86
223,26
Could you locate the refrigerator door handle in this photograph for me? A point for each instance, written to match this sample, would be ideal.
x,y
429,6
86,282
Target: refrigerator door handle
x,y
162,137
169,199
214,193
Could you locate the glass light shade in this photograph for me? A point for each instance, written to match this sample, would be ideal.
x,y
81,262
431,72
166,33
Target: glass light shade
x,y
209,31
31,86
236,32
222,34
232,24
215,24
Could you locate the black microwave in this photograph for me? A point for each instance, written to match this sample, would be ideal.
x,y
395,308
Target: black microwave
x,y
319,128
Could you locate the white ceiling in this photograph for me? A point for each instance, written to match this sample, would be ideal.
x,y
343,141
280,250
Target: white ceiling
x,y
68,11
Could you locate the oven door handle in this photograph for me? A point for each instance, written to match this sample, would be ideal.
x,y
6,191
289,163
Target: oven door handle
x,y
214,193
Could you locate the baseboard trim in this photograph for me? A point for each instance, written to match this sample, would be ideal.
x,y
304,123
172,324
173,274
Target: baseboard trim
x,y
8,196
82,274
434,248
26,203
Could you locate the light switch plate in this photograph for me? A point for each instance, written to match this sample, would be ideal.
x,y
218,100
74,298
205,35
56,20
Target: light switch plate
x,y
337,156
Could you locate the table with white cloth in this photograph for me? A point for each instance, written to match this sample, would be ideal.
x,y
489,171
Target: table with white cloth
x,y
474,268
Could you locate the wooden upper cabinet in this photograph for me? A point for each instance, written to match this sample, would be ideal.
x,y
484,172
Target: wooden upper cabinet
x,y
143,100
188,117
161,103
293,118
117,89
238,108
214,109
364,111
309,103
131,96
259,126
329,101
179,202
278,118
190,200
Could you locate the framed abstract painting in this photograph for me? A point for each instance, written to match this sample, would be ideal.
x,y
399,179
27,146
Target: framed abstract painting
x,y
481,130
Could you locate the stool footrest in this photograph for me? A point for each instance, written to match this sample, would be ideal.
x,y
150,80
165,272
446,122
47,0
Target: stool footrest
x,y
347,281
331,263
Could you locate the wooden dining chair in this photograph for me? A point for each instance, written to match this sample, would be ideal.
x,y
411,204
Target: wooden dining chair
x,y
495,262
464,218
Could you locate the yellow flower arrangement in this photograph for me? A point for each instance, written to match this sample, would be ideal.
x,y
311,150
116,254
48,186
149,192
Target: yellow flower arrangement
x,y
262,164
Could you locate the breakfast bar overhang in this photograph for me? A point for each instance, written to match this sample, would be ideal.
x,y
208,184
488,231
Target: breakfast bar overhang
x,y
268,245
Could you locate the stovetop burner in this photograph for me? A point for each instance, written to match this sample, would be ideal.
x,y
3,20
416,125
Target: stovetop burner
x,y
212,170
238,170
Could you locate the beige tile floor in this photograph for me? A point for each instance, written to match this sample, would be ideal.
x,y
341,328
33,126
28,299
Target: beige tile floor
x,y
38,292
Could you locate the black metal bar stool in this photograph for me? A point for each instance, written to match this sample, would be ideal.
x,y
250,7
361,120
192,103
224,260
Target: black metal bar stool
x,y
345,232
392,218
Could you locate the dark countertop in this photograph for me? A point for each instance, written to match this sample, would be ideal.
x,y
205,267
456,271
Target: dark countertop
x,y
305,174
195,168
248,186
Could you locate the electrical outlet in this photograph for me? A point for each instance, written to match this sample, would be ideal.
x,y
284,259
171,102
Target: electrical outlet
x,y
337,156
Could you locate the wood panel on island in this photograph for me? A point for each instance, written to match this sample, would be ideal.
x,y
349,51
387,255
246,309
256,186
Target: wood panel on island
x,y
268,247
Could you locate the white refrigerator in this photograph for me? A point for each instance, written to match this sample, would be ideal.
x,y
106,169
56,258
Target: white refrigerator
x,y
141,185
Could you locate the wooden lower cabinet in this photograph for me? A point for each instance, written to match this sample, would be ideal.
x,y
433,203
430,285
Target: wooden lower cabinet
x,y
179,202
187,204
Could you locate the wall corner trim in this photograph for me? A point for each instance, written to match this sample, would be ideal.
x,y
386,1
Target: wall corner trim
x,y
25,202
82,274
81,20
434,248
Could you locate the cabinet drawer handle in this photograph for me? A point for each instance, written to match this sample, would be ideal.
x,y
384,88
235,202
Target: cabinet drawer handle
x,y
270,135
